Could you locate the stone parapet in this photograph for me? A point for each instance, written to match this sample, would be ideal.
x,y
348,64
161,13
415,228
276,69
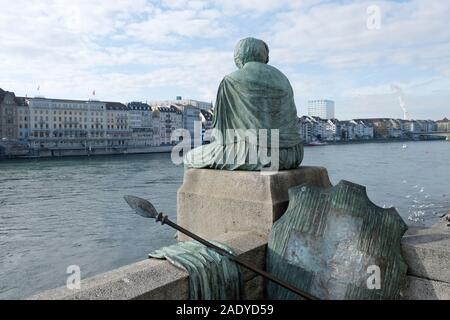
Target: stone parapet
x,y
214,202
427,253
153,279
238,209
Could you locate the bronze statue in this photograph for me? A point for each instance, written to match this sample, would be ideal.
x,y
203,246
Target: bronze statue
x,y
255,117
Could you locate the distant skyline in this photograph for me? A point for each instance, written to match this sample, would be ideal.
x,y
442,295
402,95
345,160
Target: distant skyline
x,y
142,50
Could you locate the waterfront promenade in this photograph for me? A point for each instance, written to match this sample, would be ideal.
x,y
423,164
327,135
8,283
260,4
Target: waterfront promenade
x,y
73,210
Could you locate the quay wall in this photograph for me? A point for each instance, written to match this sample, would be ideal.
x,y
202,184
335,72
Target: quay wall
x,y
244,206
69,152
158,279
153,279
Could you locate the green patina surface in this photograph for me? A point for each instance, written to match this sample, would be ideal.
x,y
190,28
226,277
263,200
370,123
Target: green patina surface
x,y
211,275
328,241
255,97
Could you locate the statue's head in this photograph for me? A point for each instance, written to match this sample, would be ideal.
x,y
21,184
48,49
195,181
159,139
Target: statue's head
x,y
251,50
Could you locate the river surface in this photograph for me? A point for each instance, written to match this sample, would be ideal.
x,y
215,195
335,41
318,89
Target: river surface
x,y
55,213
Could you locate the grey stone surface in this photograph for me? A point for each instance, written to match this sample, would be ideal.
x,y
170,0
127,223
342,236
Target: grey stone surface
x,y
424,289
254,289
148,279
214,202
427,252
425,249
159,280
253,250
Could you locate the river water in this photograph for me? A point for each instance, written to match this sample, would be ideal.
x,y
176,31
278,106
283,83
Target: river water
x,y
55,213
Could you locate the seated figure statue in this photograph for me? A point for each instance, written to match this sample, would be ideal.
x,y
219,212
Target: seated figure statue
x,y
255,118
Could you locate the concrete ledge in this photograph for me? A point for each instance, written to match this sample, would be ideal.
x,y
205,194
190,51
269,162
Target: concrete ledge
x,y
159,280
423,289
148,279
427,252
214,202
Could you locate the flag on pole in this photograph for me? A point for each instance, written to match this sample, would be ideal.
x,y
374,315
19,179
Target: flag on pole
x,y
93,93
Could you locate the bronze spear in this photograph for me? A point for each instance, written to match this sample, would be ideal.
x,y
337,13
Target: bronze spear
x,y
145,209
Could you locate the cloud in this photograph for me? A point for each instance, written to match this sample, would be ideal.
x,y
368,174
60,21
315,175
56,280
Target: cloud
x,y
144,50
166,27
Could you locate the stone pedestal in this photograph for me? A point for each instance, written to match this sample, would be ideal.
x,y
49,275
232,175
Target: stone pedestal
x,y
214,202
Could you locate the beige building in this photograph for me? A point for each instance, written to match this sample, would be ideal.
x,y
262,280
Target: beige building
x,y
23,120
66,123
156,126
118,132
443,125
140,123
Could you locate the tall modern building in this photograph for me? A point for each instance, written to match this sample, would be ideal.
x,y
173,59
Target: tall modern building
x,y
321,108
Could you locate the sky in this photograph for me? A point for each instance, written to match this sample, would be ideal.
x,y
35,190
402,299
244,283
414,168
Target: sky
x,y
353,52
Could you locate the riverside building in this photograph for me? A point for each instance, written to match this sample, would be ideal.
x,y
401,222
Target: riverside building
x,y
65,123
13,116
166,121
141,123
183,102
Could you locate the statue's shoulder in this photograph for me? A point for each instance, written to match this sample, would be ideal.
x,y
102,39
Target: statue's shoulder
x,y
259,72
234,75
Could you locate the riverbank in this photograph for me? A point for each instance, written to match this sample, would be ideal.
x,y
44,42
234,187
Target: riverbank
x,y
385,140
82,152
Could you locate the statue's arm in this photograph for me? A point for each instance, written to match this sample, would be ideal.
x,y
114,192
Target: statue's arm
x,y
220,106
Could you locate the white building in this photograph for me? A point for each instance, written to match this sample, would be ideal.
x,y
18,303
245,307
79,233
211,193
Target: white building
x,y
140,122
333,130
118,132
191,122
321,108
165,121
306,126
356,130
184,102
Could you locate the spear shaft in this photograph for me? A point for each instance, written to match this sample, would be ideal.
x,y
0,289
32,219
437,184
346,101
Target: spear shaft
x,y
145,209
239,261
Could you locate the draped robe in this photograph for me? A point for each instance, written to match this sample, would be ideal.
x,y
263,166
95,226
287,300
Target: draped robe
x,y
255,97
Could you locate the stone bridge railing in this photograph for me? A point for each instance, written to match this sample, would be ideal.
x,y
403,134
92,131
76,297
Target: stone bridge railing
x,y
241,216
